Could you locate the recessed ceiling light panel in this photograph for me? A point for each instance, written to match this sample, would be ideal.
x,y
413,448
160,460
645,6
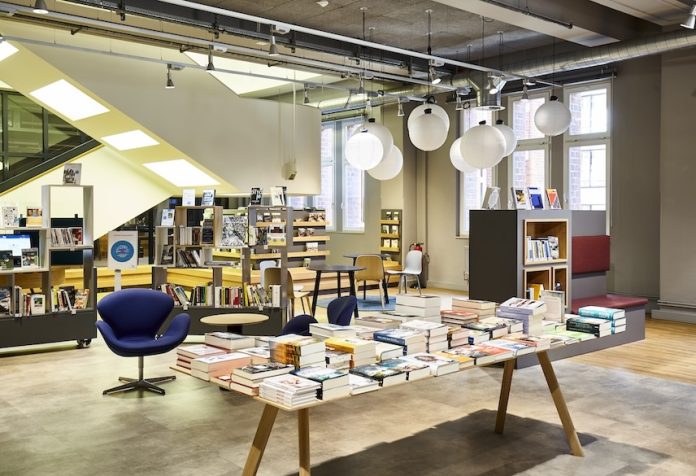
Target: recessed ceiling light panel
x,y
181,173
6,50
130,140
67,100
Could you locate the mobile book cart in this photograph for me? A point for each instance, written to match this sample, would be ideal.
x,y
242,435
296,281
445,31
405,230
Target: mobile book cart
x,y
270,411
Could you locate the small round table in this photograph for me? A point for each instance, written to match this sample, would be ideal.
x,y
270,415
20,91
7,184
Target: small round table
x,y
234,321
338,269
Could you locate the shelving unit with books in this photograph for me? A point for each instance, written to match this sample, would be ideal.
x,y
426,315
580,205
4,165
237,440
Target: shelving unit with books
x,y
32,310
513,250
390,233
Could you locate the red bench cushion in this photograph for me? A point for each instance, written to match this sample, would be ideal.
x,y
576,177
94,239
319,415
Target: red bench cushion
x,y
590,254
609,300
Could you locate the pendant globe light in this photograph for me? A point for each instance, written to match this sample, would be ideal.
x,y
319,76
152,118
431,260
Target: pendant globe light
x,y
428,131
457,159
390,166
510,139
483,146
382,133
553,118
364,150
420,110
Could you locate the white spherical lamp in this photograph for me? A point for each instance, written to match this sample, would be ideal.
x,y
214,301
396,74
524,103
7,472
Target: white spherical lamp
x,y
552,118
428,131
483,146
382,133
390,166
437,110
457,159
364,150
510,139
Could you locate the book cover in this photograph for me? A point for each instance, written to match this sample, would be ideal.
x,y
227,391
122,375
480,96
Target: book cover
x,y
234,231
10,216
328,378
520,198
6,259
30,258
379,373
188,197
262,371
256,196
34,217
208,197
76,235
438,365
553,199
292,384
5,299
37,304
536,200
359,384
81,298
72,174
167,255
491,198
167,217
277,197
414,370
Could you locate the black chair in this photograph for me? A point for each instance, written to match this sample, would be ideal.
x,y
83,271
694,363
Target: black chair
x,y
129,325
340,310
298,325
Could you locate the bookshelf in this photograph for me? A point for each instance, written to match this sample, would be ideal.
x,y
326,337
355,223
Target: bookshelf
x,y
509,250
65,240
390,239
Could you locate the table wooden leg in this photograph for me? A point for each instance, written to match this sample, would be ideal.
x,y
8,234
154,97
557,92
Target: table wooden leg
x,y
260,439
351,278
317,280
559,401
504,395
303,440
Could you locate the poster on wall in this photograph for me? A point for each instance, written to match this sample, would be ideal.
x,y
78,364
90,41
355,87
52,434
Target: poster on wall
x,y
123,249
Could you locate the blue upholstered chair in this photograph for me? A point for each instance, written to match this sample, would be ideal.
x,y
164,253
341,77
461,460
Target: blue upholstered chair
x,y
129,325
298,325
340,310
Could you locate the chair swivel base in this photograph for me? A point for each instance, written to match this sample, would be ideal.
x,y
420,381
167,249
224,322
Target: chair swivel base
x,y
142,384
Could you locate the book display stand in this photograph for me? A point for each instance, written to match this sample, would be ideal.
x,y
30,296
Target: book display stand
x,y
59,320
391,242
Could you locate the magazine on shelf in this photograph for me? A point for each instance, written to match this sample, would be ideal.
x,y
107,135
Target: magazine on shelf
x,y
277,197
536,200
10,217
234,231
167,217
256,196
34,217
553,199
520,198
208,198
188,197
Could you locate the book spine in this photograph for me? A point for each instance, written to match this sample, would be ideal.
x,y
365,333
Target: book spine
x,y
607,315
390,340
583,327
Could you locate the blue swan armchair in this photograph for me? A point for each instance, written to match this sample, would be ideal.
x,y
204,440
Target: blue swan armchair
x,y
129,325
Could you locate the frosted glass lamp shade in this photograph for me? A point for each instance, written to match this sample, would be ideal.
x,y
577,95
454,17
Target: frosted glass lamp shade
x,y
552,118
510,139
457,159
390,166
382,133
364,150
428,132
482,146
437,110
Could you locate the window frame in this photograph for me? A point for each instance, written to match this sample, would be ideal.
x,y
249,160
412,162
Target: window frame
x,y
588,139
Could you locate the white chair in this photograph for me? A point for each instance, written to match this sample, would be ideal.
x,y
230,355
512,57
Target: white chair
x,y
262,267
413,266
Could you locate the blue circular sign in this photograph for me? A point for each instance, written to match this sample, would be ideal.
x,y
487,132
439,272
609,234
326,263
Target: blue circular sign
x,y
122,251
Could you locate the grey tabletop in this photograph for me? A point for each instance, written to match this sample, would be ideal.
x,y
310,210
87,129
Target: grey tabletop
x,y
340,268
355,255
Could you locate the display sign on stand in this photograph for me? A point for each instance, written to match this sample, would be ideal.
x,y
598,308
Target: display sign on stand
x,y
123,253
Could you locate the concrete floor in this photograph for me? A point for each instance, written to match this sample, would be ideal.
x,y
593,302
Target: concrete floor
x,y
56,422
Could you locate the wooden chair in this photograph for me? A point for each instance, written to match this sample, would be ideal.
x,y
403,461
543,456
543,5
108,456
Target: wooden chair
x,y
272,276
374,271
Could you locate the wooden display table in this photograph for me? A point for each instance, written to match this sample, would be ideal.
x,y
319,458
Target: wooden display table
x,y
270,411
234,322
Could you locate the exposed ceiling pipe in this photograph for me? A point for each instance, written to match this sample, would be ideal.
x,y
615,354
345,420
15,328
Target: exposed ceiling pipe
x,y
601,55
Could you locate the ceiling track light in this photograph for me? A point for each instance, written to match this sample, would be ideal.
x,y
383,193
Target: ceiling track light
x,y
170,83
40,7
306,94
525,93
273,48
690,21
432,75
459,105
211,67
400,108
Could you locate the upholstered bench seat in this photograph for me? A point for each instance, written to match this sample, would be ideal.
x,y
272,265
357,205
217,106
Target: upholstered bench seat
x,y
614,301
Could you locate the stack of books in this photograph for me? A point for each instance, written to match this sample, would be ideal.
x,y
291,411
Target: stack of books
x,y
412,341
378,321
362,352
324,330
513,325
297,350
617,317
438,365
540,343
228,340
385,376
206,367
289,390
460,355
334,383
481,355
186,353
517,348
482,331
420,306
530,312
247,379
457,317
385,351
482,309
414,370
259,355
590,325
457,336
338,360
435,334
360,384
